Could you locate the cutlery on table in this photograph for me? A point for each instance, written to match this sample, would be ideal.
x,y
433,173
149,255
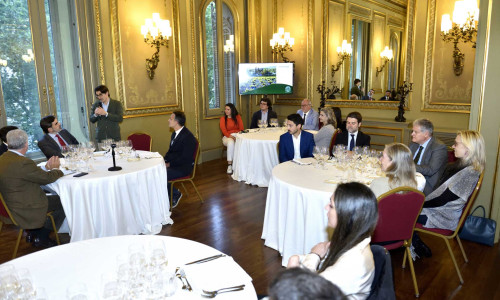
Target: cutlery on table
x,y
212,294
206,259
183,275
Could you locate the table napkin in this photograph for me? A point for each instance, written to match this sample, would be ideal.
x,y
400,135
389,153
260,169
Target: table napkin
x,y
216,274
302,162
149,154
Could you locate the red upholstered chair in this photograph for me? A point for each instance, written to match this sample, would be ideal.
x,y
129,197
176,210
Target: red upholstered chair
x,y
332,141
451,156
398,211
447,235
141,141
6,217
189,177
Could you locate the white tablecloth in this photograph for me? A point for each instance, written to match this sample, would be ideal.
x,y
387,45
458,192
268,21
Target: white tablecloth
x,y
256,154
130,201
295,218
57,268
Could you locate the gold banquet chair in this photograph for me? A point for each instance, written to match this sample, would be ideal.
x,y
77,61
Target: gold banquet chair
x,y
7,218
189,177
447,235
141,141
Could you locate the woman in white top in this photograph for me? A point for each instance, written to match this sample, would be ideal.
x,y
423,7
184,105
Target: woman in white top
x,y
346,260
399,169
324,135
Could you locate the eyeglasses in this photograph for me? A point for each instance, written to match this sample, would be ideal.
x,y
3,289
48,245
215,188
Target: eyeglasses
x,y
302,105
98,95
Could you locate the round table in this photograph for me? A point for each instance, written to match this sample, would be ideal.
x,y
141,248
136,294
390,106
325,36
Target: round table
x,y
295,218
130,201
256,154
55,269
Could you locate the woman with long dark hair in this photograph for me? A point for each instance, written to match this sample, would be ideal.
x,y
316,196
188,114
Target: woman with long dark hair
x,y
230,123
338,118
346,260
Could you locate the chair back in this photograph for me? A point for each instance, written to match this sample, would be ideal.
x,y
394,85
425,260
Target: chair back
x,y
451,155
332,141
382,285
398,211
468,204
141,141
5,212
196,154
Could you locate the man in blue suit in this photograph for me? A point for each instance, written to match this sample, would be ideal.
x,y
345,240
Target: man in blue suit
x,y
296,143
310,116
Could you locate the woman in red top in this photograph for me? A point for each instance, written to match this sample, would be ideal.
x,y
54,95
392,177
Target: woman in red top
x,y
230,123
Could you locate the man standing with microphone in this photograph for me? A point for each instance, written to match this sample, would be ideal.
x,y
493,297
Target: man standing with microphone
x,y
108,114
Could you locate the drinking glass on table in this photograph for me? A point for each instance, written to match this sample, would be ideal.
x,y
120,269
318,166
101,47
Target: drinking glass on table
x,y
260,124
264,124
65,150
274,122
77,291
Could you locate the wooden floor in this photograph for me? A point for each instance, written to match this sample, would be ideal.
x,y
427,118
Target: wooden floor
x,y
231,220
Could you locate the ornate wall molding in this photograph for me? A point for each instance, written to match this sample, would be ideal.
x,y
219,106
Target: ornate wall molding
x,y
147,110
99,41
428,103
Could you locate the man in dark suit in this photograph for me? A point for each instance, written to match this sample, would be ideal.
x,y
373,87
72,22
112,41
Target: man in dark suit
x,y
55,137
370,95
20,181
429,154
265,113
3,138
353,137
296,143
357,89
108,114
179,159
387,96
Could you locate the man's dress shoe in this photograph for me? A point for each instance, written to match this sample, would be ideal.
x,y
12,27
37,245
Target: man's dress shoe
x,y
43,243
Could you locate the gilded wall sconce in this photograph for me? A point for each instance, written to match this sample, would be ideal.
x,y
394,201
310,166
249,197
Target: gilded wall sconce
x,y
344,52
281,43
156,33
463,28
386,56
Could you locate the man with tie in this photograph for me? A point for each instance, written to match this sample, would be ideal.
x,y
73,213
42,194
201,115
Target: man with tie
x,y
296,143
353,136
108,114
54,138
429,154
309,115
179,159
387,96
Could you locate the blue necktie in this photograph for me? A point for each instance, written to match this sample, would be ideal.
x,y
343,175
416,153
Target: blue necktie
x,y
351,144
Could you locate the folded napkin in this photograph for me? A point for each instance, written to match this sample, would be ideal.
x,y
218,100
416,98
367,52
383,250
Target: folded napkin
x,y
301,162
216,274
145,154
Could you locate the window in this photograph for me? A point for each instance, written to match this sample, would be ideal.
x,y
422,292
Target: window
x,y
36,79
220,65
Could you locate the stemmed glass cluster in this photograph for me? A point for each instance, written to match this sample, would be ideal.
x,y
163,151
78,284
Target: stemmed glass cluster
x,y
141,274
362,160
262,124
321,154
17,284
78,157
274,122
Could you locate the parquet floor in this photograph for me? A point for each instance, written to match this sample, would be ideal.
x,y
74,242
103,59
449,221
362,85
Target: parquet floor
x,y
231,220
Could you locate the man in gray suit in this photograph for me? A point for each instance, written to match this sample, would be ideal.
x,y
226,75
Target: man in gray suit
x,y
20,181
108,114
54,138
429,154
310,116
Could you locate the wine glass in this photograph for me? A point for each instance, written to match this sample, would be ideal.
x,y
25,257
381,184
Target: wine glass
x,y
264,124
260,124
65,150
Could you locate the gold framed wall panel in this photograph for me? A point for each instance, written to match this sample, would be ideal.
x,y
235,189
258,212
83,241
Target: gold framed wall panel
x,y
139,95
361,12
407,55
97,16
440,84
303,86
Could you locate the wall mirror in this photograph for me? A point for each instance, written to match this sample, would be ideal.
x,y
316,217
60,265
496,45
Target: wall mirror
x,y
369,27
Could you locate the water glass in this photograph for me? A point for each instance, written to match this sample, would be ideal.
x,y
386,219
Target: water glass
x,y
77,291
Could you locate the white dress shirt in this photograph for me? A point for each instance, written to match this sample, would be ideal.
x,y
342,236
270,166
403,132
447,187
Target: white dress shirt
x,y
349,138
53,136
296,146
424,145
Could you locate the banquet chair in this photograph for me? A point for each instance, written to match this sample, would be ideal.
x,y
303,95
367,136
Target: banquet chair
x,y
7,218
189,177
332,141
447,235
383,285
141,141
398,212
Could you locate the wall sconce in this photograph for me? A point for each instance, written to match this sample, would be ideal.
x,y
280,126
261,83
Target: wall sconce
x,y
156,33
229,46
344,52
29,57
282,42
3,62
463,28
386,56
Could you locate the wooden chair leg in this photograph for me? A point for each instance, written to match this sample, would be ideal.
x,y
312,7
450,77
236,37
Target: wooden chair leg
x,y
19,236
171,195
454,261
462,248
54,228
194,186
413,277
1,225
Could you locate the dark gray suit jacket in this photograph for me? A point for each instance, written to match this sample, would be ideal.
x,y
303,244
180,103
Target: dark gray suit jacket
x,y
108,127
433,162
50,148
258,115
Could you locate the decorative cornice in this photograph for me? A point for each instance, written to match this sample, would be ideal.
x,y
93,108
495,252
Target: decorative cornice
x,y
99,41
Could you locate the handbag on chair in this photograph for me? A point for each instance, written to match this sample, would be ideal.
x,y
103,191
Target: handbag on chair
x,y
479,229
